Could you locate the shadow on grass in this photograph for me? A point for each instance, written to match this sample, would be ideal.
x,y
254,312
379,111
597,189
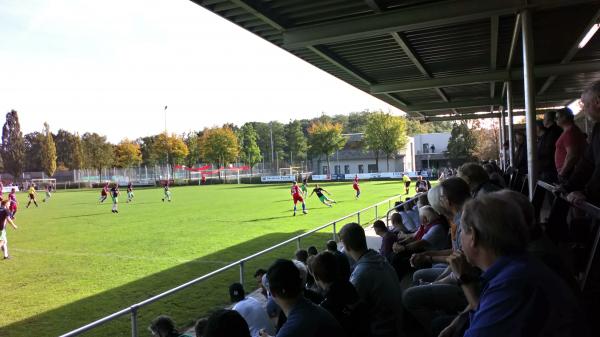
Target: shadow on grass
x,y
185,307
79,216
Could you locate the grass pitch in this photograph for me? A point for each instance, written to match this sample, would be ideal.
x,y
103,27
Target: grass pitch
x,y
73,261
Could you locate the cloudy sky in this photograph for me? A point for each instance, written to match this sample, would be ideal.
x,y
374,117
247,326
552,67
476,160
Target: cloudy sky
x,y
111,66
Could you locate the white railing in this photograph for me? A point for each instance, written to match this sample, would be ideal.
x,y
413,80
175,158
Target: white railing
x,y
133,309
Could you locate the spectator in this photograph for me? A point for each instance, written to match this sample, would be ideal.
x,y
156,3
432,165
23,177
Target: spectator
x,y
164,326
397,224
410,216
477,178
376,283
520,156
312,251
304,319
226,323
421,185
585,182
341,298
547,146
301,255
388,239
343,263
427,303
258,276
570,146
251,309
540,245
495,176
200,326
520,296
432,235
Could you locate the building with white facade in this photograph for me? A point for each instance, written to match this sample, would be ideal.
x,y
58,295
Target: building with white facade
x,y
431,150
354,158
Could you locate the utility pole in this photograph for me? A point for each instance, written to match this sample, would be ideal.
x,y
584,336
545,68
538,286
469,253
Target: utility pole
x,y
166,144
272,151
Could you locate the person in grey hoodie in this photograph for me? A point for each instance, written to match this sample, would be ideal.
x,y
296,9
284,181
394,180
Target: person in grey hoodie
x,y
376,283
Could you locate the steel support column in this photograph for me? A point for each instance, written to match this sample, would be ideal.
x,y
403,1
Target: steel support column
x,y
529,87
511,138
502,137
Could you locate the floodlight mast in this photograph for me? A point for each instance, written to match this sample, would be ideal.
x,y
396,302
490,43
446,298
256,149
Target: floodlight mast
x,y
166,145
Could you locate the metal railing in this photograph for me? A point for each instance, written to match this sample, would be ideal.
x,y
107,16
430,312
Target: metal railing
x,y
133,309
593,212
393,209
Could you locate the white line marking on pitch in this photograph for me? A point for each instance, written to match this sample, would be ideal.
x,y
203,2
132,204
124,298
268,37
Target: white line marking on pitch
x,y
118,256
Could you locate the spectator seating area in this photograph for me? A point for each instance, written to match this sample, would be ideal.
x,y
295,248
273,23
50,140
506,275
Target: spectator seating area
x,y
483,261
472,257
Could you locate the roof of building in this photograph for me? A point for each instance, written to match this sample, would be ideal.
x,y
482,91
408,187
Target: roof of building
x,y
434,59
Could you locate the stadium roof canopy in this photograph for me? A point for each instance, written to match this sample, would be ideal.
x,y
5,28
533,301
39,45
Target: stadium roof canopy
x,y
434,59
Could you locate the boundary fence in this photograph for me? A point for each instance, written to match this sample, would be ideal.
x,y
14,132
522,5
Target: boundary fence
x,y
134,309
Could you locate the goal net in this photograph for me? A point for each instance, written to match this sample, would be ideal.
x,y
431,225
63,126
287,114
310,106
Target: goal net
x,y
40,184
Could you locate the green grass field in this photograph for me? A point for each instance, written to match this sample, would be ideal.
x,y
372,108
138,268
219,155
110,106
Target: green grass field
x,y
73,261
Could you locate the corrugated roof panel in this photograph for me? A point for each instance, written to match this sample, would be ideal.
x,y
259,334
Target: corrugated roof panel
x,y
453,48
464,92
572,84
379,58
416,96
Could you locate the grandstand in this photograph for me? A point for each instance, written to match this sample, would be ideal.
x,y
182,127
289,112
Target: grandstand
x,y
449,60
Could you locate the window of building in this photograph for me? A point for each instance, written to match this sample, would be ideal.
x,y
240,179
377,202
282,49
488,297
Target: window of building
x,y
426,148
325,170
372,168
346,169
336,169
361,169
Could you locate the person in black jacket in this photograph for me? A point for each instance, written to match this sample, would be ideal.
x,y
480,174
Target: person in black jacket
x,y
585,181
341,298
547,147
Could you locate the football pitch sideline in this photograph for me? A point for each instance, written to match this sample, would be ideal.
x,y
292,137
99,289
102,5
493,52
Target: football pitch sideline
x,y
73,261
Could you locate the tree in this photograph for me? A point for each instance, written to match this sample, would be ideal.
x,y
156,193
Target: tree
x,y
13,145
97,152
48,152
147,147
263,139
415,127
296,145
487,141
325,138
33,150
357,122
170,150
192,141
68,150
249,150
219,146
279,142
462,143
127,154
386,134
77,150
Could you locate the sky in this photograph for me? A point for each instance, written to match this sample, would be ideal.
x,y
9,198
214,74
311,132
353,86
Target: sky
x,y
112,66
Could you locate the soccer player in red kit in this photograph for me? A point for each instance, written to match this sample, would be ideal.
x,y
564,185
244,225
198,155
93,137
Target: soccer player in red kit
x,y
297,196
355,186
13,203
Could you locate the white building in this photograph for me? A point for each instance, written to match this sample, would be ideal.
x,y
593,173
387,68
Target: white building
x,y
353,158
431,150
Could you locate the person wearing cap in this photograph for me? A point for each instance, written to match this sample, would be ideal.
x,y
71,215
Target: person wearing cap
x,y
164,326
